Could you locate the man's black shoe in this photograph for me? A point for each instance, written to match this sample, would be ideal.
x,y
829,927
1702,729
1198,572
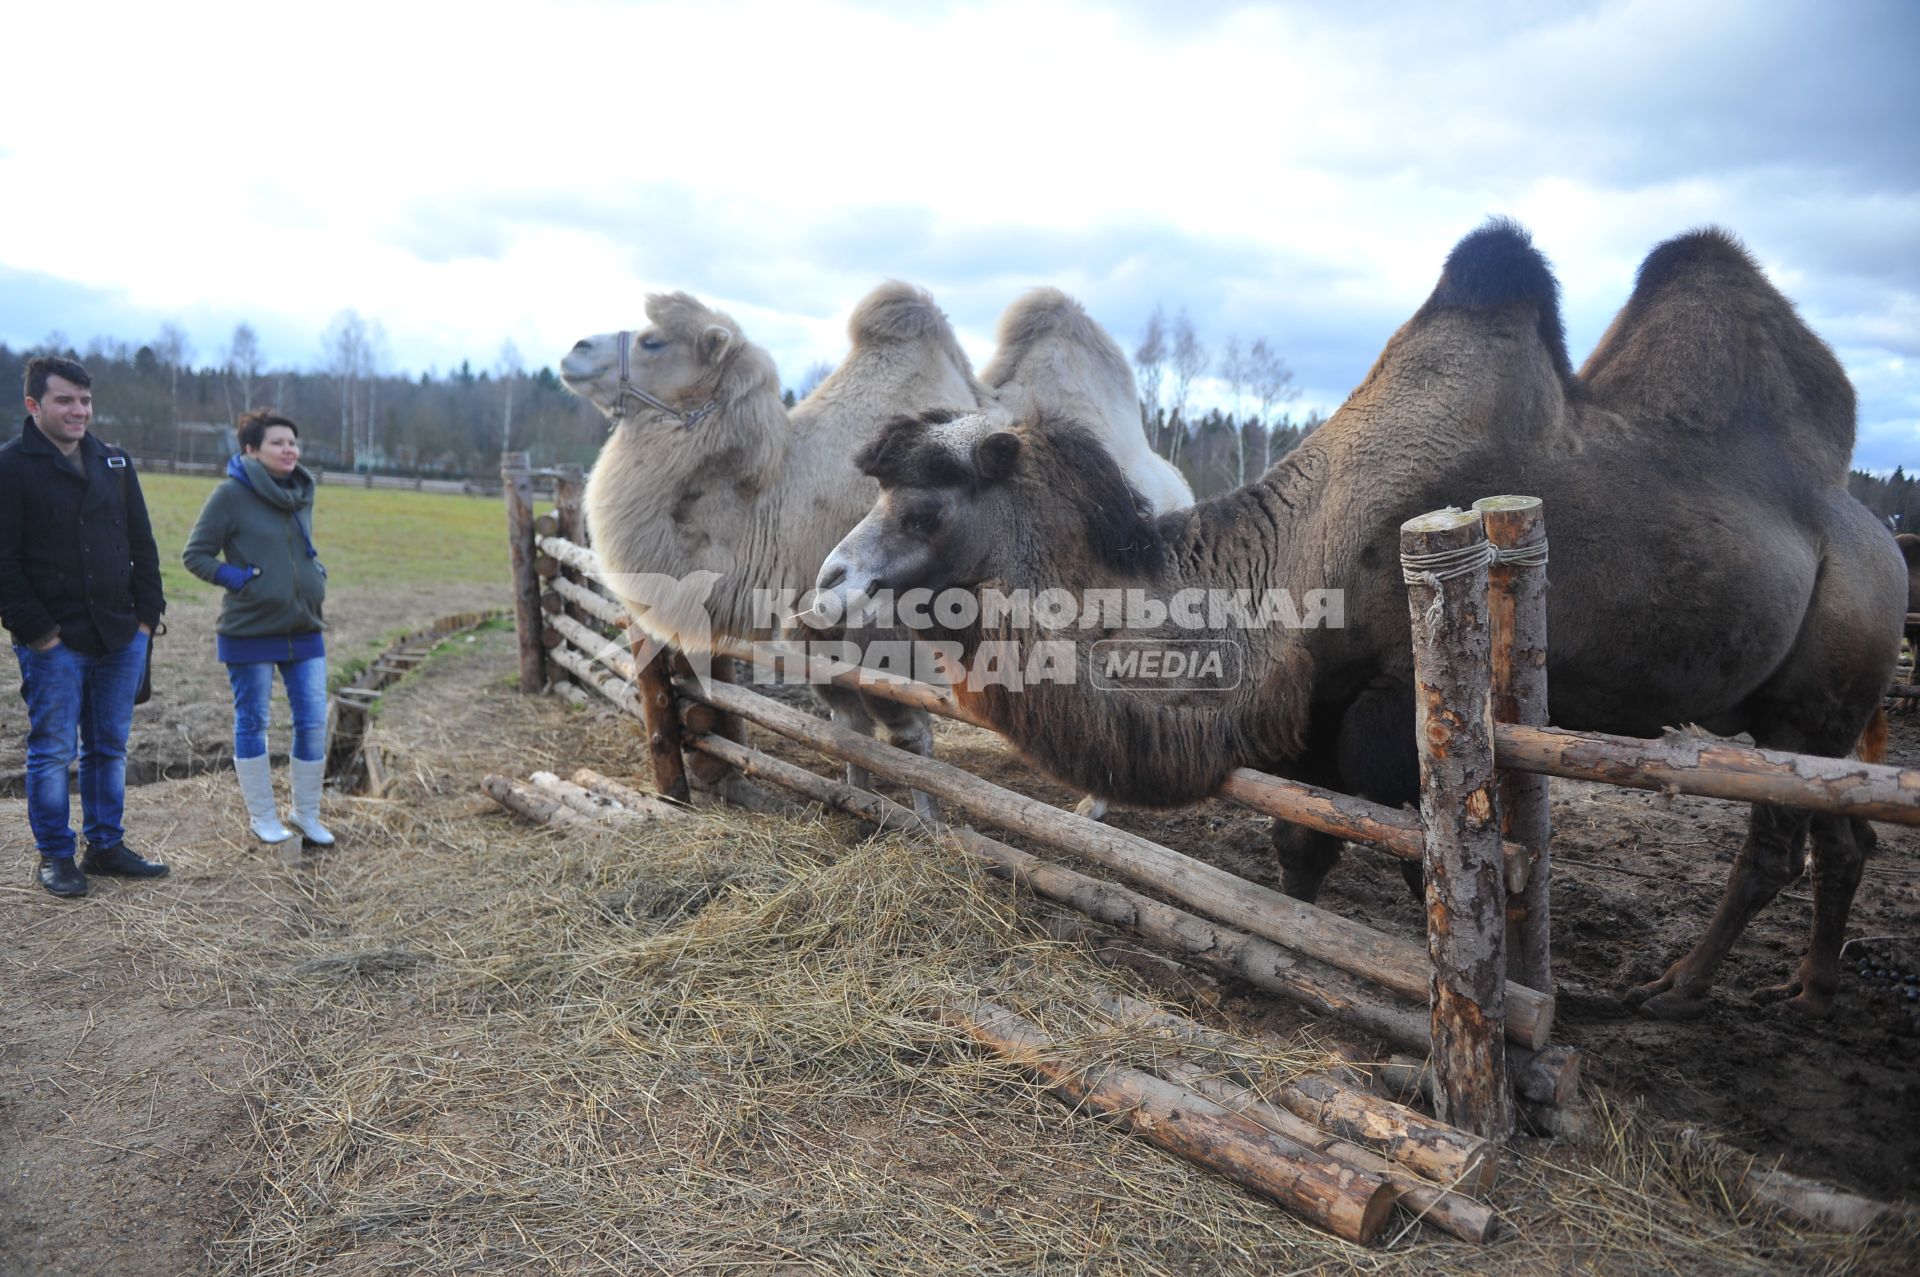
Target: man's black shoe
x,y
61,876
116,861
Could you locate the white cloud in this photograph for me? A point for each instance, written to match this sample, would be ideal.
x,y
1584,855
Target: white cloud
x,y
469,173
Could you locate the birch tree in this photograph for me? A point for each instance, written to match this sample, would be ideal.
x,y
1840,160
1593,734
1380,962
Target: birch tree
x,y
1271,382
1188,360
242,365
1150,365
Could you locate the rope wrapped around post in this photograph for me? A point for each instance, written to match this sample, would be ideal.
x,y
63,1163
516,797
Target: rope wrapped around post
x,y
1444,558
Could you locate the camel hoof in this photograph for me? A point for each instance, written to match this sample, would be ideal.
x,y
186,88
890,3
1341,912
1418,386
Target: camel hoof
x,y
1811,1006
1090,807
1673,1005
1807,1004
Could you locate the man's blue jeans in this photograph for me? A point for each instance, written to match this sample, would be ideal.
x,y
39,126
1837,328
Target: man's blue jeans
x,y
252,706
72,695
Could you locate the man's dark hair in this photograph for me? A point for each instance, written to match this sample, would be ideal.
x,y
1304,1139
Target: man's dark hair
x,y
41,367
252,430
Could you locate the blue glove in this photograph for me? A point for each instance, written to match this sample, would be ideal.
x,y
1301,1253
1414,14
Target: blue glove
x,y
230,577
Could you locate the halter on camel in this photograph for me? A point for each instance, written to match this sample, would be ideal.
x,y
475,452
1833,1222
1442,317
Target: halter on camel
x,y
628,390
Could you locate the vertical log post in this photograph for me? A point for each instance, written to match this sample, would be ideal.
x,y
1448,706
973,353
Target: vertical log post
x,y
570,520
1444,557
655,684
517,481
1517,605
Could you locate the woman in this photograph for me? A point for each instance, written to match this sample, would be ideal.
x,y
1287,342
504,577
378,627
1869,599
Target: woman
x,y
260,521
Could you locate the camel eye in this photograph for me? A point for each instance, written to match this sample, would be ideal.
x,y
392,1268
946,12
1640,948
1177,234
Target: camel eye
x,y
923,521
652,343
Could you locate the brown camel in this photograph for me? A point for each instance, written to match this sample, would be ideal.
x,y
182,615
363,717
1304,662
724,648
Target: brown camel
x,y
1707,563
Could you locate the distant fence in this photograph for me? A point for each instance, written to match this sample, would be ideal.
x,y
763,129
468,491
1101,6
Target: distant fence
x,y
354,478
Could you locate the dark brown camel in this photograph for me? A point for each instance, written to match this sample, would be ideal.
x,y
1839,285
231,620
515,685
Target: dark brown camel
x,y
1707,563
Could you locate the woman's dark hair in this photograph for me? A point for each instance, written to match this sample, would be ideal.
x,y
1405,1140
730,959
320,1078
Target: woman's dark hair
x,y
252,431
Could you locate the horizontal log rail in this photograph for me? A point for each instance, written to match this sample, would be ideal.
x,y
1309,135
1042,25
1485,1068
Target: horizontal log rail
x,y
1550,1077
1400,965
1683,763
1680,763
1396,832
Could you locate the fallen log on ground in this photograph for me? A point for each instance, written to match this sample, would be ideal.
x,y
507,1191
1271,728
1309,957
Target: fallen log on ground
x,y
603,806
536,805
1430,1147
1435,1204
1349,1203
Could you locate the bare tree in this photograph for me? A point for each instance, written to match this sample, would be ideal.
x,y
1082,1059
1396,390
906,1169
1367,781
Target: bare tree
x,y
1150,363
242,367
508,368
376,359
345,348
1233,370
1189,360
1271,382
172,350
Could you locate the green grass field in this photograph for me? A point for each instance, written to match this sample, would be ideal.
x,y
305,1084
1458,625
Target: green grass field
x,y
369,537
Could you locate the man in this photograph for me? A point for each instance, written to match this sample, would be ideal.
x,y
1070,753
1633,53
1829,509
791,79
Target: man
x,y
80,593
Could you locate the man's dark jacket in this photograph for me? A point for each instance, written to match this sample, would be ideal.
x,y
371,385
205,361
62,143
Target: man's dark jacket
x,y
74,555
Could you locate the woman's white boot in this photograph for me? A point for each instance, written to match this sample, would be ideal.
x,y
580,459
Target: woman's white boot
x,y
309,778
256,786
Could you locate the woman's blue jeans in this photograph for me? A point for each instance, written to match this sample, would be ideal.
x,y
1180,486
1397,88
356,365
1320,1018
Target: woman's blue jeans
x,y
306,683
70,694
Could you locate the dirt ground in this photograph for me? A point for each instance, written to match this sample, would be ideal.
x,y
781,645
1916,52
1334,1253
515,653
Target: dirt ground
x,y
122,1119
134,1114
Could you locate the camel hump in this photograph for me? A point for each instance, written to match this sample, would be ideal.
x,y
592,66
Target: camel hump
x,y
1044,313
897,312
683,312
1709,251
1498,266
1706,344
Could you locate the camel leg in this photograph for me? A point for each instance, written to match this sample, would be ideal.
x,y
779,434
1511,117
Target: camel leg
x,y
710,775
911,730
1840,849
1307,856
848,709
1772,857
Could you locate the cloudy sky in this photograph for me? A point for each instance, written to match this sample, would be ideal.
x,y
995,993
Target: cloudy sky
x,y
471,174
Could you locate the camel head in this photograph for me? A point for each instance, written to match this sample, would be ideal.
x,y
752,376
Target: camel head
x,y
687,363
969,499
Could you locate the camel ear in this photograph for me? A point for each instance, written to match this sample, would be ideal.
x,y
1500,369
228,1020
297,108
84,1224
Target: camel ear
x,y
714,340
995,456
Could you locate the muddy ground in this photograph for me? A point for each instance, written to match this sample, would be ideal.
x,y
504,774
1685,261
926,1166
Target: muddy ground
x,y
129,1124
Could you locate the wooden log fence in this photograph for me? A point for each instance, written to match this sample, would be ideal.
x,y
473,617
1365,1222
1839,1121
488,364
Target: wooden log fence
x,y
1481,833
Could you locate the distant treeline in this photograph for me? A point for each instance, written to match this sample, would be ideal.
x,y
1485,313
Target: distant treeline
x,y
453,424
1892,497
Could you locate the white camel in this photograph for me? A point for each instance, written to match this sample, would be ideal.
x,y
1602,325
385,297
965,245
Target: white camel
x,y
709,486
1054,358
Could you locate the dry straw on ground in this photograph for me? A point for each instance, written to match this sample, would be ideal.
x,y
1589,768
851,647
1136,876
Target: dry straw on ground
x,y
715,1047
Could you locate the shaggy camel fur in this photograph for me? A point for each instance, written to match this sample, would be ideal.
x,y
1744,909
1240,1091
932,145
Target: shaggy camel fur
x,y
1708,565
700,525
692,523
